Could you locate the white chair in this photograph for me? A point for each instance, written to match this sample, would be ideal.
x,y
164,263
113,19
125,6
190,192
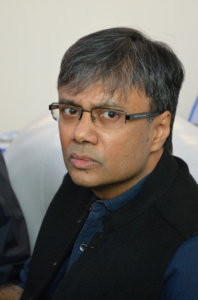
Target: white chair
x,y
36,169
36,166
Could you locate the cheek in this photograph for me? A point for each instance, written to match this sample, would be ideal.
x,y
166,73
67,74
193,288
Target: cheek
x,y
127,148
116,146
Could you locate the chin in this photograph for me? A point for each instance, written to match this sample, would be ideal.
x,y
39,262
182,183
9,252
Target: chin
x,y
82,179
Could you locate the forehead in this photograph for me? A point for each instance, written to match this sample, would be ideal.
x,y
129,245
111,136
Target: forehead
x,y
95,95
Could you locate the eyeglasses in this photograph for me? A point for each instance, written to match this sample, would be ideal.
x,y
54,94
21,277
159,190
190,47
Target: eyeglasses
x,y
102,117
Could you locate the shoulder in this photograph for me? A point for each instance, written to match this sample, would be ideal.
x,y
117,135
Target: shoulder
x,y
181,276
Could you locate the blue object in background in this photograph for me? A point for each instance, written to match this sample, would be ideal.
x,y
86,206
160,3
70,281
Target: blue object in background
x,y
194,113
6,139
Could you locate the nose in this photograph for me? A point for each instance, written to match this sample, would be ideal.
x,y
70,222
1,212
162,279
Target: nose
x,y
85,130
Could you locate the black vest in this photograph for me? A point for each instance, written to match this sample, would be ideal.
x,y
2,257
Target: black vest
x,y
129,259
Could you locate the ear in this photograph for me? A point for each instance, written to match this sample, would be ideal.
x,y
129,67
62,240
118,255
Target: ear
x,y
161,130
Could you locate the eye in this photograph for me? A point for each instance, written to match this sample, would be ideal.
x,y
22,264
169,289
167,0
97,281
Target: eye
x,y
110,114
70,111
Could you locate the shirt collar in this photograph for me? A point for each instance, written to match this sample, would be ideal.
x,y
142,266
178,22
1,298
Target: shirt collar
x,y
119,201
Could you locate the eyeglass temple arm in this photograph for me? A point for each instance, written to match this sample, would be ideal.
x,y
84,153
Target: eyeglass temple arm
x,y
141,115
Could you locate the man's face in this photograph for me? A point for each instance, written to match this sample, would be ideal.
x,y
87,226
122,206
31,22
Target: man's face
x,y
110,161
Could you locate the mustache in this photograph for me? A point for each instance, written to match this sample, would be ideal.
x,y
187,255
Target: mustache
x,y
84,150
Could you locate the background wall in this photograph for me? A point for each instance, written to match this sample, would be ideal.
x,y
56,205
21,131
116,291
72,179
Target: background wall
x,y
35,34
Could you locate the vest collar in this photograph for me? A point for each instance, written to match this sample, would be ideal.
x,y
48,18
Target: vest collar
x,y
156,185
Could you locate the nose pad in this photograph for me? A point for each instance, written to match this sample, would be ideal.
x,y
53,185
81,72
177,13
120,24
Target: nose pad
x,y
93,118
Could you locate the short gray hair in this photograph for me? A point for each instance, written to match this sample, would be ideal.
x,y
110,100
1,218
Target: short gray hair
x,y
122,59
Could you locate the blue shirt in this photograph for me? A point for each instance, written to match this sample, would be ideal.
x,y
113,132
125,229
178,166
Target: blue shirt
x,y
181,276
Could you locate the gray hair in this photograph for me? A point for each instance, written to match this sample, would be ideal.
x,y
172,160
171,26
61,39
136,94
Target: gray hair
x,y
122,59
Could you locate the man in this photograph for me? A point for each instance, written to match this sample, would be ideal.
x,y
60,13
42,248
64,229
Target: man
x,y
123,223
14,241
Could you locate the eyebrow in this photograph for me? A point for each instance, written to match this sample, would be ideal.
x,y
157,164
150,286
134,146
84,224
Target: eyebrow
x,y
66,101
106,103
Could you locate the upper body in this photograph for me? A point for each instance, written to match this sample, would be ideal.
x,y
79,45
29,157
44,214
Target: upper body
x,y
14,241
129,256
118,93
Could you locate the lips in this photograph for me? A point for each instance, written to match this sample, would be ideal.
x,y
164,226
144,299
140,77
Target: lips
x,y
82,161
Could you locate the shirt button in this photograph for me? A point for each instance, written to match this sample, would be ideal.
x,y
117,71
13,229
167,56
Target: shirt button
x,y
83,247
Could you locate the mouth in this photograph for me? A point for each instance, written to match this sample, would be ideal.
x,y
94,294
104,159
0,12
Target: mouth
x,y
82,161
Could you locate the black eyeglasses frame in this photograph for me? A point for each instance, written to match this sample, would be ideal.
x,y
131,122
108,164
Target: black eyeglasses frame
x,y
127,117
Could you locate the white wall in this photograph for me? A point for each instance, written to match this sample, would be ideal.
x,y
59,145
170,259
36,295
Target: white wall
x,y
35,34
